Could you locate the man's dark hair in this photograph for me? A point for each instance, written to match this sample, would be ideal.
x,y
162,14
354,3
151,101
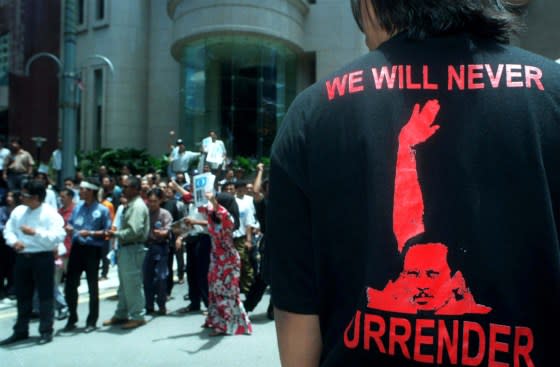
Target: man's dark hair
x,y
134,182
495,19
68,192
228,183
241,183
157,192
16,140
36,187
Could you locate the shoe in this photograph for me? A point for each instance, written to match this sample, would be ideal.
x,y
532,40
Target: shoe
x,y
89,329
69,327
190,308
34,315
62,315
14,338
132,324
181,281
45,338
217,333
186,297
103,278
114,321
161,312
150,312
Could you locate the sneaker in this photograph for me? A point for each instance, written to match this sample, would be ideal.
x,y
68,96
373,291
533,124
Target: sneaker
x,y
89,329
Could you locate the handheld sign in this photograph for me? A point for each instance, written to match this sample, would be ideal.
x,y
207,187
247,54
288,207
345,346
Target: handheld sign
x,y
203,183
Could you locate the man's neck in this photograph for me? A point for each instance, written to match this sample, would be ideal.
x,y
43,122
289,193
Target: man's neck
x,y
89,201
34,206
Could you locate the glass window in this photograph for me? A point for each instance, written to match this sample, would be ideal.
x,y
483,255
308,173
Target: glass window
x,y
238,86
99,9
81,10
98,106
4,53
101,13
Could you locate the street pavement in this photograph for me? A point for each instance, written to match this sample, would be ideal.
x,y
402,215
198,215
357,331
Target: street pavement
x,y
167,341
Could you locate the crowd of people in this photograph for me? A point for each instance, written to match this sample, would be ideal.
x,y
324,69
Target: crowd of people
x,y
145,224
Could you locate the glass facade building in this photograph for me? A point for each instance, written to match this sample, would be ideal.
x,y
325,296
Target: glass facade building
x,y
239,86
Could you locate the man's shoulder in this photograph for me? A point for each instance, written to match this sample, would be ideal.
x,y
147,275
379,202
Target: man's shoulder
x,y
50,211
138,203
19,210
102,207
165,213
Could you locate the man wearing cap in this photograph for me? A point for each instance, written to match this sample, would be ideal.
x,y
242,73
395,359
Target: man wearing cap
x,y
132,236
181,159
87,226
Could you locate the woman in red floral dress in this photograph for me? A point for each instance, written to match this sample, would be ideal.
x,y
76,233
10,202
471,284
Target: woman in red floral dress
x,y
226,314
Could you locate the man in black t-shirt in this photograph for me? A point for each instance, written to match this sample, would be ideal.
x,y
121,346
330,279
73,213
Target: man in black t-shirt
x,y
444,248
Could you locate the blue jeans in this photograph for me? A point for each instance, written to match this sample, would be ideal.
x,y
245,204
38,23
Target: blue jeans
x,y
155,275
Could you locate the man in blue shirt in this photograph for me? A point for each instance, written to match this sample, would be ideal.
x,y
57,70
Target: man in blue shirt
x,y
87,225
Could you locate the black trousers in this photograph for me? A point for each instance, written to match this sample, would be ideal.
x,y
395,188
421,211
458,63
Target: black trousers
x,y
198,262
258,287
34,271
7,263
83,258
180,256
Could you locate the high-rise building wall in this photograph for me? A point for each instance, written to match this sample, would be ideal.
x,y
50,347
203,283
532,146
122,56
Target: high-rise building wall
x,y
164,84
114,106
232,66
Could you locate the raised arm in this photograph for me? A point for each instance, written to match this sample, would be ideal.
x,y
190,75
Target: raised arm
x,y
257,185
408,204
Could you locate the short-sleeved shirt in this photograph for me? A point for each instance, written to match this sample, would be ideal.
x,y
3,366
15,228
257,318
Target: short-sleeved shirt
x,y
414,199
160,219
93,217
20,162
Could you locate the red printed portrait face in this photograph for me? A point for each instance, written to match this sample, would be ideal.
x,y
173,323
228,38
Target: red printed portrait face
x,y
425,272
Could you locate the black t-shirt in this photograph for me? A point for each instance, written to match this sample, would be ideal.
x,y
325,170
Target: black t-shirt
x,y
413,206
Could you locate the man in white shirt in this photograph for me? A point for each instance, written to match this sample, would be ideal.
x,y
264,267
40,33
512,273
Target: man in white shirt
x,y
215,150
243,236
34,230
181,159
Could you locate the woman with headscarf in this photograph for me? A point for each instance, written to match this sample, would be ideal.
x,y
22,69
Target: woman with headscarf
x,y
226,314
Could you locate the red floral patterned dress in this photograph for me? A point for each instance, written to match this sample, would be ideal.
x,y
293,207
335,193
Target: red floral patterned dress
x,y
226,313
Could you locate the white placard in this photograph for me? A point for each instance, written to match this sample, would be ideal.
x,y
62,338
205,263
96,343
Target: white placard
x,y
202,184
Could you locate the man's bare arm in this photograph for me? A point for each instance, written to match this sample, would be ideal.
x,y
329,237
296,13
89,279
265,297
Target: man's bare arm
x,y
299,339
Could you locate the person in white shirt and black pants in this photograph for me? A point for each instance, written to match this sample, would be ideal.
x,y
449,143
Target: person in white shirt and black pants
x,y
34,230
